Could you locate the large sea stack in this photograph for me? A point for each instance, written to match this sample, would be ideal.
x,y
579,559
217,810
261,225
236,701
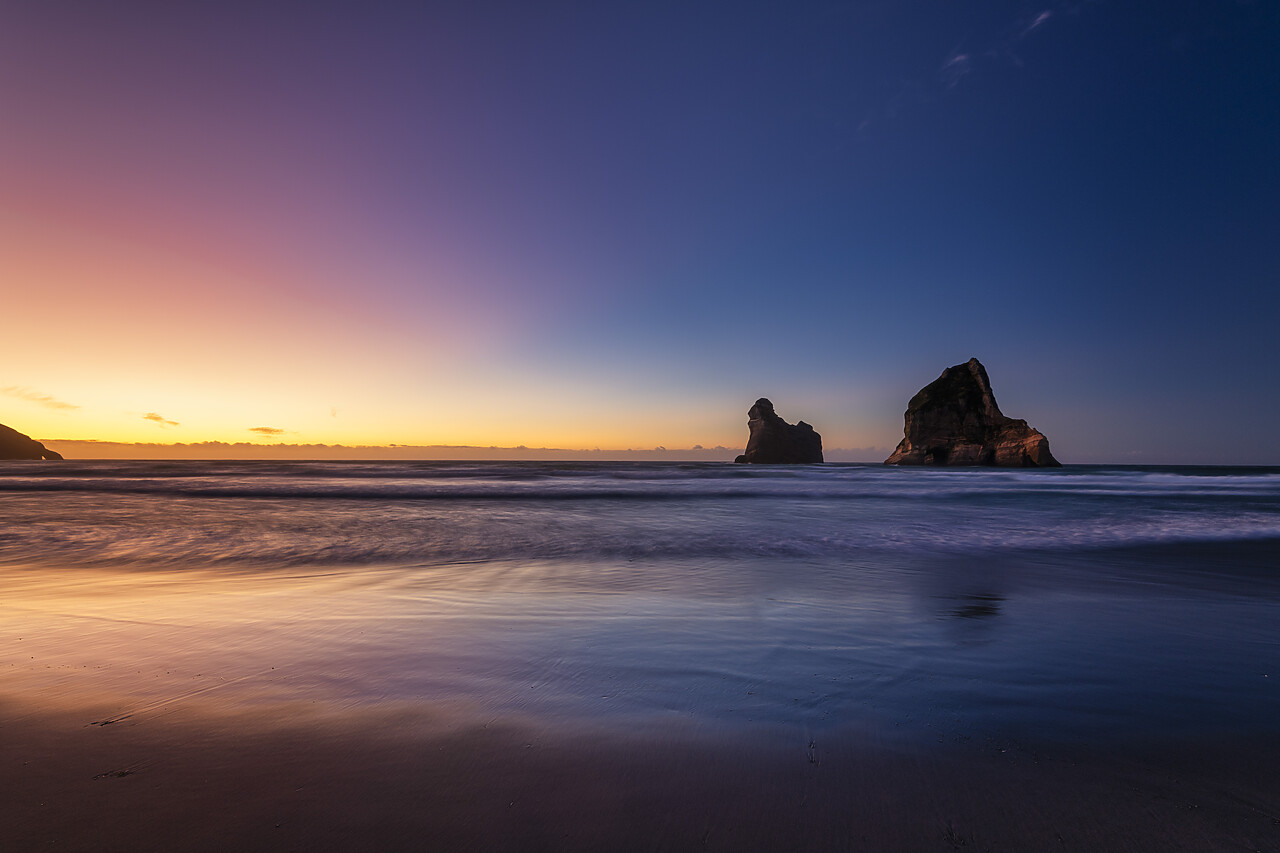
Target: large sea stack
x,y
954,420
773,441
15,445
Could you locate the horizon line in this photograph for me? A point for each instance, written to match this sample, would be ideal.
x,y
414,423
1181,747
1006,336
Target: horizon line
x,y
222,449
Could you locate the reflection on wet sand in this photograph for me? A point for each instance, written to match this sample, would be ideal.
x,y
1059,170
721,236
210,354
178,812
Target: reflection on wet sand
x,y
978,606
554,707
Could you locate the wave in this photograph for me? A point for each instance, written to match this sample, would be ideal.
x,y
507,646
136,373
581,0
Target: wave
x,y
620,482
289,514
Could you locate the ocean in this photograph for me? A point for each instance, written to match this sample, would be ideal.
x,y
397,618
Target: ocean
x,y
1043,612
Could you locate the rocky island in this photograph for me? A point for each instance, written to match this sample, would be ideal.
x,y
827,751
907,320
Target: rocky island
x,y
954,420
773,441
15,445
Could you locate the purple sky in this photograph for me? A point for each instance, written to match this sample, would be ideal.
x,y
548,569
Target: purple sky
x,y
617,224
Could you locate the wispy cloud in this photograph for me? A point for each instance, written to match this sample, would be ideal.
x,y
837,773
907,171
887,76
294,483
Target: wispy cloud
x,y
954,69
160,419
983,52
267,430
36,397
997,46
1037,21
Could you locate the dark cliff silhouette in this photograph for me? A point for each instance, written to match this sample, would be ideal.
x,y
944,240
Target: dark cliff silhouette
x,y
15,445
773,441
954,420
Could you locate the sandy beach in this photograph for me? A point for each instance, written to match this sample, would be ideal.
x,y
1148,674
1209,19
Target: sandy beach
x,y
396,781
178,711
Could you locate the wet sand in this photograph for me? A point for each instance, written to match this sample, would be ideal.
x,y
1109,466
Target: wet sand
x,y
403,781
146,710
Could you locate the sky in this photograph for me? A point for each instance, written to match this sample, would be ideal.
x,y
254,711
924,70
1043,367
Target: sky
x,y
615,225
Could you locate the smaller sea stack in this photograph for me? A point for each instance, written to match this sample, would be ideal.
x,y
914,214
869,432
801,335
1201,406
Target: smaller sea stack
x,y
15,445
954,420
773,441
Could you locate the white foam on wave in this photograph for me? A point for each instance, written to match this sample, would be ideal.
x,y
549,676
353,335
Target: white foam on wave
x,y
329,514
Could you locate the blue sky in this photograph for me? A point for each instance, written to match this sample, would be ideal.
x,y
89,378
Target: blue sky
x,y
616,225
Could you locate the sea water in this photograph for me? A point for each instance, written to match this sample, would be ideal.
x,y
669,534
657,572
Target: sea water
x,y
1082,603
